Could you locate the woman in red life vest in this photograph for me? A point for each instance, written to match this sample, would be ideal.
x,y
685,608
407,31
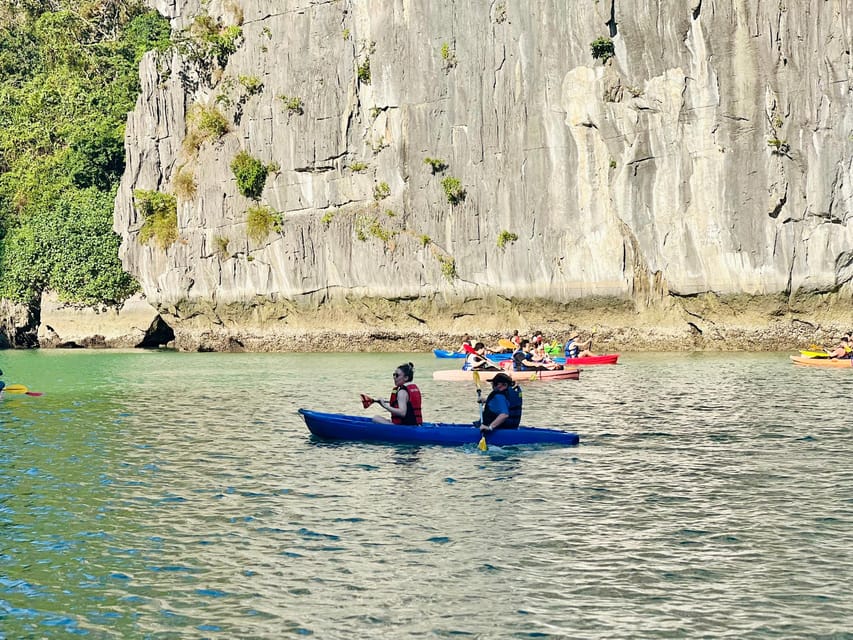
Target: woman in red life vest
x,y
405,403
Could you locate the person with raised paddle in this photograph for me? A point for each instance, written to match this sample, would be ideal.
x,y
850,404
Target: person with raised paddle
x,y
578,349
477,361
405,402
502,408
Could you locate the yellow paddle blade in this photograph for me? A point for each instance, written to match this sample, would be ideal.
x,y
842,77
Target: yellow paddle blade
x,y
15,388
506,344
477,379
482,446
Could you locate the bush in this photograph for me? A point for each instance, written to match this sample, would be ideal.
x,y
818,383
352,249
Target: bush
x,y
261,221
70,248
68,78
448,56
506,236
602,49
208,41
453,190
203,124
252,84
364,72
221,246
436,165
293,104
251,175
184,184
160,217
448,267
381,191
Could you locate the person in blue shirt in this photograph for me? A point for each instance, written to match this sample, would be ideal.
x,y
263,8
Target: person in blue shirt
x,y
503,406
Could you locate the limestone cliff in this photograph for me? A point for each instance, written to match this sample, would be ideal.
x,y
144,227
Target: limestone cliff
x,y
708,158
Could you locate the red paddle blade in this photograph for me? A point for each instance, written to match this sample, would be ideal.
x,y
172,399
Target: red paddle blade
x,y
366,401
35,393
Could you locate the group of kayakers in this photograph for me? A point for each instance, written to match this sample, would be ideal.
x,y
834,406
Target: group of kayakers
x,y
501,408
527,355
503,405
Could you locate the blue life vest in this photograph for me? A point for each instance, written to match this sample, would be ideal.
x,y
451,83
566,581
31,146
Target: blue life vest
x,y
572,350
517,359
513,396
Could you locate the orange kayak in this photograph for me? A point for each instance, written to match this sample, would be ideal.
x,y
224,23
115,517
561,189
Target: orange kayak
x,y
845,363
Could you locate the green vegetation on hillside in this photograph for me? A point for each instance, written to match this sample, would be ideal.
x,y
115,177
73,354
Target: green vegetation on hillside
x,y
69,74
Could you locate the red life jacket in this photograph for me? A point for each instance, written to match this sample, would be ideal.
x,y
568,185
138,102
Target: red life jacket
x,y
413,412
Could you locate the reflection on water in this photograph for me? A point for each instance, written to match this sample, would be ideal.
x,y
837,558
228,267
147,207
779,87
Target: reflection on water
x,y
180,495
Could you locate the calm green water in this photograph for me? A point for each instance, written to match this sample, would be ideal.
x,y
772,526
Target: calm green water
x,y
167,495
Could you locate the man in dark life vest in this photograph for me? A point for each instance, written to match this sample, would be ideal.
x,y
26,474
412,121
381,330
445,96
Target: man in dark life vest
x,y
503,406
405,403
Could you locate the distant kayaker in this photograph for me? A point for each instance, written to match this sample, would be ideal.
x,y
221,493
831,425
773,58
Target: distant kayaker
x,y
576,349
477,361
405,403
523,361
502,408
843,350
466,344
515,339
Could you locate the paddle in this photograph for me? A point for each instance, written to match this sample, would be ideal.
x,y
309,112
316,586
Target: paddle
x,y
482,446
366,401
19,388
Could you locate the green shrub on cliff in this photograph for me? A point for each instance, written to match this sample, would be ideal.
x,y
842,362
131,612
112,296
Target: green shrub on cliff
x,y
602,49
69,74
160,216
453,190
251,175
262,221
505,237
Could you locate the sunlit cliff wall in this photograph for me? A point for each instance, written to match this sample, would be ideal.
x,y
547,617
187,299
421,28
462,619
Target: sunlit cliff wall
x,y
711,154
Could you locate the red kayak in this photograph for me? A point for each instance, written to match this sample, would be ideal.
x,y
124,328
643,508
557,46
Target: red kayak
x,y
609,358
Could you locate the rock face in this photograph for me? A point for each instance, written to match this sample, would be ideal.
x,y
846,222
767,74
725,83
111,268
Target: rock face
x,y
66,326
709,158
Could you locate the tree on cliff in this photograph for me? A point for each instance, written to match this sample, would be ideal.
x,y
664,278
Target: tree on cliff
x,y
68,76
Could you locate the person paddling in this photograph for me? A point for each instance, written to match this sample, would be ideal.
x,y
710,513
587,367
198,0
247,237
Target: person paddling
x,y
576,349
405,402
843,350
477,361
502,408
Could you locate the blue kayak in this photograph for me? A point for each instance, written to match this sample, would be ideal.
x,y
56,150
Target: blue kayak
x,y
444,353
337,426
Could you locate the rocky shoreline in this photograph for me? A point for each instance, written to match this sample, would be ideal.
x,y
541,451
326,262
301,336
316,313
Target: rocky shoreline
x,y
710,324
